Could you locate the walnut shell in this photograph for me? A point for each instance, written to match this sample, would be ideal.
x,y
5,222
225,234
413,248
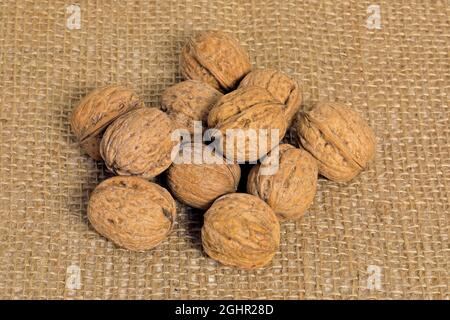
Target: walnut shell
x,y
290,189
133,213
241,230
96,111
139,143
215,58
285,89
340,140
199,183
189,101
248,110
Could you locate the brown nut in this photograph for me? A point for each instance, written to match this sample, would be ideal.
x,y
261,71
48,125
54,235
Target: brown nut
x,y
198,177
241,230
340,140
285,89
215,58
96,111
254,112
139,143
133,213
288,185
189,101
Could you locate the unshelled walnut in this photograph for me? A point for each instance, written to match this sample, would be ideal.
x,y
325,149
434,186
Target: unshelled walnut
x,y
215,58
132,212
96,111
241,230
139,143
285,89
253,112
287,184
189,101
340,140
198,176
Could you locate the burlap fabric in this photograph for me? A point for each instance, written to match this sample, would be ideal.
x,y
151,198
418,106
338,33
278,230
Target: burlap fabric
x,y
384,235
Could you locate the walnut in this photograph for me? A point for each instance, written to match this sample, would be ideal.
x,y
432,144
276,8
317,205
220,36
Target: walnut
x,y
215,58
290,189
254,112
133,213
200,176
139,143
340,140
285,89
241,230
189,101
96,111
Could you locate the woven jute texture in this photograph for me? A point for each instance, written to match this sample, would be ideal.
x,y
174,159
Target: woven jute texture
x,y
383,235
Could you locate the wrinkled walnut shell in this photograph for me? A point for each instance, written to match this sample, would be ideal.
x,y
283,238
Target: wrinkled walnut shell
x,y
139,143
249,110
189,101
340,140
285,89
241,230
96,111
215,58
289,189
132,212
198,177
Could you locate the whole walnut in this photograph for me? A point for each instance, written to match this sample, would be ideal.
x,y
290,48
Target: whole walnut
x,y
285,89
241,230
139,143
340,140
253,113
198,177
215,58
96,111
287,184
189,101
132,212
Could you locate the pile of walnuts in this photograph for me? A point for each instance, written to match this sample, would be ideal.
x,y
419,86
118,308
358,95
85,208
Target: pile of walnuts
x,y
222,92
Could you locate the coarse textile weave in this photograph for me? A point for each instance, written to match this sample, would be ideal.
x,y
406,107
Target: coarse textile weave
x,y
383,235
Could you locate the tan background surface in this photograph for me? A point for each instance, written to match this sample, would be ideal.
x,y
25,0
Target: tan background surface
x,y
394,216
